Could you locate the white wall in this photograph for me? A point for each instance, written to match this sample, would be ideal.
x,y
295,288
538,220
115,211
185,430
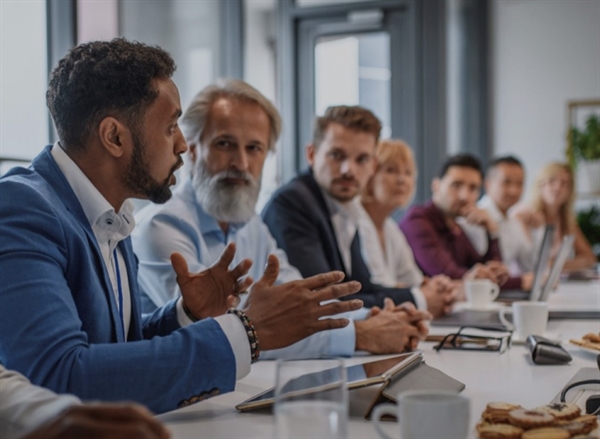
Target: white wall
x,y
545,53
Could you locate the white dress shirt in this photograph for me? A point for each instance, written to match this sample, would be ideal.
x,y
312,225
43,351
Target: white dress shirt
x,y
516,248
396,265
345,218
182,225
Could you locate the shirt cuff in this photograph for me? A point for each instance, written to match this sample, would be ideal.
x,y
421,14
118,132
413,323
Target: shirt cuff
x,y
238,339
182,317
343,341
420,300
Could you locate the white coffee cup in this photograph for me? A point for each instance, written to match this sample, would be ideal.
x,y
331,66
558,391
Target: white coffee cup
x,y
481,293
426,414
528,318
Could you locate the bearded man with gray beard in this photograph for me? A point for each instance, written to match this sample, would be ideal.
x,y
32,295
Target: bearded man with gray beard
x,y
230,128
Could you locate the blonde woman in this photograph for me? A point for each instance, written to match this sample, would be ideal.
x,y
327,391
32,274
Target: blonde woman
x,y
386,252
552,198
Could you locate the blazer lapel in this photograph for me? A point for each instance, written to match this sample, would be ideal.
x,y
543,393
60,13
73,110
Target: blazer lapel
x,y
46,166
315,190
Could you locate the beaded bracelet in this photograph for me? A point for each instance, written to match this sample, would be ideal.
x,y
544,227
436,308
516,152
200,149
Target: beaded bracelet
x,y
250,331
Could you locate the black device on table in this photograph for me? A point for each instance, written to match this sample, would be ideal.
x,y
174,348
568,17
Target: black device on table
x,y
544,351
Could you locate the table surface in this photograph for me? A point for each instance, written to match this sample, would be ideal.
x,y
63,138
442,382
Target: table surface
x,y
488,376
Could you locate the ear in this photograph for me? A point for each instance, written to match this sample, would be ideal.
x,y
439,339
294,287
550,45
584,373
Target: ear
x,y
114,136
193,152
435,184
485,185
310,152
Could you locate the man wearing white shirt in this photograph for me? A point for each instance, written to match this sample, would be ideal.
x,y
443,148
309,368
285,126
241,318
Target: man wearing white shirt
x,y
504,186
230,128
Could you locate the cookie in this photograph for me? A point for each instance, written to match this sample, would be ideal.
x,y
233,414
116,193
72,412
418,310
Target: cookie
x,y
594,338
590,420
499,431
586,344
530,418
497,412
546,433
574,428
562,411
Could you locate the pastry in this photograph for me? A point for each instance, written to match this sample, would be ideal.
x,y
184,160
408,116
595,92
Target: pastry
x,y
562,411
590,420
497,412
499,431
594,338
586,344
530,418
546,433
574,428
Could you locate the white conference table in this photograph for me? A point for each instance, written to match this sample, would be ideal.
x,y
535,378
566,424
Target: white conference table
x,y
488,376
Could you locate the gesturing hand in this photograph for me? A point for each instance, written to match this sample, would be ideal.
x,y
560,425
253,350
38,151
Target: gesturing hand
x,y
103,421
287,313
212,292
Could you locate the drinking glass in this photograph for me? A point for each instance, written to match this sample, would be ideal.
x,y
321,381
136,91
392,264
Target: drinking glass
x,y
311,399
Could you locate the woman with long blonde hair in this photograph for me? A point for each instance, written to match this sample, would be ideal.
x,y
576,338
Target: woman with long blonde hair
x,y
386,252
551,202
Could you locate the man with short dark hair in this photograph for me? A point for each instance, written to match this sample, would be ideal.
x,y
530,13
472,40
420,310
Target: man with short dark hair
x,y
70,311
438,242
503,189
313,218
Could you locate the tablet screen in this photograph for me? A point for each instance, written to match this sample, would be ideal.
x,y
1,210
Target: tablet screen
x,y
359,375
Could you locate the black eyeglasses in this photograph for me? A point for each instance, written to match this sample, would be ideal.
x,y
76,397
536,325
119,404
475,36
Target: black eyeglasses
x,y
476,338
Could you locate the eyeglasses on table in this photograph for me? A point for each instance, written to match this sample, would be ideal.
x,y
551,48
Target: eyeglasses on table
x,y
475,338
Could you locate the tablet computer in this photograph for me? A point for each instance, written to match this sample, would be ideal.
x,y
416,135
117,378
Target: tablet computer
x,y
358,375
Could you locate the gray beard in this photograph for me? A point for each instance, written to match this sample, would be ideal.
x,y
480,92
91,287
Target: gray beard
x,y
224,202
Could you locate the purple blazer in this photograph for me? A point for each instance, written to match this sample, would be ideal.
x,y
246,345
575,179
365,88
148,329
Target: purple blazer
x,y
439,249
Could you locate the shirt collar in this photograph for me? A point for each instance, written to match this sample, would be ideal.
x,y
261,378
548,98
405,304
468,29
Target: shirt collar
x,y
346,210
98,211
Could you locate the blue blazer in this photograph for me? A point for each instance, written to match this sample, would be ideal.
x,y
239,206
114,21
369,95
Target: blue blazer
x,y
300,222
59,323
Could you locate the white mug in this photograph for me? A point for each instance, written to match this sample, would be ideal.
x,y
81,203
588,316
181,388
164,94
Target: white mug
x,y
528,318
426,414
481,292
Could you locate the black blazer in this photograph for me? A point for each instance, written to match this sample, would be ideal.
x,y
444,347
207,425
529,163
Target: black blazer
x,y
300,222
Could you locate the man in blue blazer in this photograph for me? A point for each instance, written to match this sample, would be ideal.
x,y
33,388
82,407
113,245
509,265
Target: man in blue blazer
x,y
70,316
312,217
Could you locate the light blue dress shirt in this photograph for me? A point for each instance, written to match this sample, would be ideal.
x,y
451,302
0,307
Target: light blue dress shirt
x,y
181,225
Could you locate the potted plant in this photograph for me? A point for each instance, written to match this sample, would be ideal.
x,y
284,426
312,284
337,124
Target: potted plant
x,y
584,151
589,222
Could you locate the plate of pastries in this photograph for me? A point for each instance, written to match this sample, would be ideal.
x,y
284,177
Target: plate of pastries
x,y
589,342
501,420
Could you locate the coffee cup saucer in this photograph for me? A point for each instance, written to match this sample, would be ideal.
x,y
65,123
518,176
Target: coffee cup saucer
x,y
492,306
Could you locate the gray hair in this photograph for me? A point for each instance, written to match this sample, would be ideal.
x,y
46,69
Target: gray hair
x,y
195,117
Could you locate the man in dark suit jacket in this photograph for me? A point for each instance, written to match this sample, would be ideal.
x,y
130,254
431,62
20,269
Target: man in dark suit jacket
x,y
311,217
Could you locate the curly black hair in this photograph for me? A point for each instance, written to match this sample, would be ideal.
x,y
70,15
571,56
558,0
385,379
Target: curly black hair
x,y
104,78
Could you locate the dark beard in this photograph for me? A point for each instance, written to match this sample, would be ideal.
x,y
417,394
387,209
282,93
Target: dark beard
x,y
139,180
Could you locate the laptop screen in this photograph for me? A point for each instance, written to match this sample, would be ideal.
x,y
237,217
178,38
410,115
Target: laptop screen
x,y
541,263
